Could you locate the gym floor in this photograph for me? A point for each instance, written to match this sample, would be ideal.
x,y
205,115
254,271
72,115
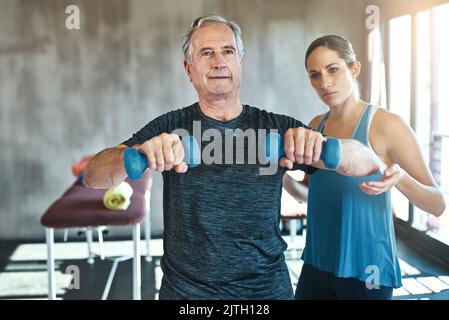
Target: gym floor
x,y
23,271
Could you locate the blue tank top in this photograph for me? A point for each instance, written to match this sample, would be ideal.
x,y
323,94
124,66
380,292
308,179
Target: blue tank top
x,y
351,233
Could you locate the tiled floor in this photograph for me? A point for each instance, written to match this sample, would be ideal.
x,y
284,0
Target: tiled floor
x,y
421,279
23,272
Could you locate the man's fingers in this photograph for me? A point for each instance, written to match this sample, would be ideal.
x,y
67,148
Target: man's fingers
x,y
318,147
289,145
149,151
178,152
299,146
285,163
181,168
151,159
160,163
164,152
169,156
309,147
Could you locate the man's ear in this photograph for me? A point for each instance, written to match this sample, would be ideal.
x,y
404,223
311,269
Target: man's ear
x,y
187,66
356,68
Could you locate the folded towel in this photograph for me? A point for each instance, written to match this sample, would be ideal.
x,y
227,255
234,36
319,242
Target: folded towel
x,y
119,197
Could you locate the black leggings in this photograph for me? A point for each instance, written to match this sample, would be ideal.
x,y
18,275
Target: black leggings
x,y
314,284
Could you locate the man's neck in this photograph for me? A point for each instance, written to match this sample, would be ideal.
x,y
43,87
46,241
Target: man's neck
x,y
222,109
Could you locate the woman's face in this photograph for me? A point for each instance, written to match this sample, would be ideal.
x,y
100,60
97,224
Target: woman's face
x,y
330,76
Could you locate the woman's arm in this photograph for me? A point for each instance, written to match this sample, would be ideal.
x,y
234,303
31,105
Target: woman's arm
x,y
412,175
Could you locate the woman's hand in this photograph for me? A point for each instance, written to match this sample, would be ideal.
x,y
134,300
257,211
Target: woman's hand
x,y
392,175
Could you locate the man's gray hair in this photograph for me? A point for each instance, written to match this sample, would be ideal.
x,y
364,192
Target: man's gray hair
x,y
210,18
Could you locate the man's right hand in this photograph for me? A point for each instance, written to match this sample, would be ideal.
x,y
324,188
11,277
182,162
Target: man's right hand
x,y
164,152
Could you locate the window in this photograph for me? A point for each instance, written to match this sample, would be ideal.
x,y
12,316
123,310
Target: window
x,y
418,51
399,71
432,96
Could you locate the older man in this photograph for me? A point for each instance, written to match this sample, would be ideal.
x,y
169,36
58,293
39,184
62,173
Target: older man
x,y
221,235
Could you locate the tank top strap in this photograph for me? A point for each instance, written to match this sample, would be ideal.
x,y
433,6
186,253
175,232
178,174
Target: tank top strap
x,y
361,131
323,120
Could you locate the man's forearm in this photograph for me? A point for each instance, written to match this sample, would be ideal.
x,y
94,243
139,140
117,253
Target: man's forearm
x,y
106,169
358,160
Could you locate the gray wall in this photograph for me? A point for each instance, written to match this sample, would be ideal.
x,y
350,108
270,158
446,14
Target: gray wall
x,y
65,94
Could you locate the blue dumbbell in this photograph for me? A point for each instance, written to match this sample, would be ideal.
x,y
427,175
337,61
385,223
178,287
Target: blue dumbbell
x,y
330,153
136,163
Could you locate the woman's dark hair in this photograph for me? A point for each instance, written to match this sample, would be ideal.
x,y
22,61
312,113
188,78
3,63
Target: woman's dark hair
x,y
339,44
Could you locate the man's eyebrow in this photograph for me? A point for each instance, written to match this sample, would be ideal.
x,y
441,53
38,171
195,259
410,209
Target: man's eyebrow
x,y
205,48
224,47
229,47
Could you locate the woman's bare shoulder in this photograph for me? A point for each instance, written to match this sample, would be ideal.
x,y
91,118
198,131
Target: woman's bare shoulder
x,y
388,122
316,121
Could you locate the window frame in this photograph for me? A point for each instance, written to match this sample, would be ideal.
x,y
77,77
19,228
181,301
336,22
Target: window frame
x,y
389,9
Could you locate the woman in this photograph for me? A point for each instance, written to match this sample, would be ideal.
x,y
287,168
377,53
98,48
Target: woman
x,y
350,250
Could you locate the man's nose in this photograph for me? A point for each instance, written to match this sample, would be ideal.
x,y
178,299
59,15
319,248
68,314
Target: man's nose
x,y
219,62
219,66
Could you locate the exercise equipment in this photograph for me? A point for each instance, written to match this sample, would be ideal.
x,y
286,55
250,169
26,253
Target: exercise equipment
x,y
330,152
136,163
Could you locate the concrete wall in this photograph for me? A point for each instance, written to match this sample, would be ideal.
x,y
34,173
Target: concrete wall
x,y
65,94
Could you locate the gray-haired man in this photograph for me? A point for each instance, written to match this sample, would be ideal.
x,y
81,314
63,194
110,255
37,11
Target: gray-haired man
x,y
221,235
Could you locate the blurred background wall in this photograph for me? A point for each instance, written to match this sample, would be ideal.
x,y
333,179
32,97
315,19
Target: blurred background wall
x,y
65,93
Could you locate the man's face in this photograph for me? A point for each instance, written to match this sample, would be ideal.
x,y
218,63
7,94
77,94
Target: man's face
x,y
216,67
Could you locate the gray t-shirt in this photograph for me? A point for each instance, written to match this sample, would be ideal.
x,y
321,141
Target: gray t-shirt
x,y
221,221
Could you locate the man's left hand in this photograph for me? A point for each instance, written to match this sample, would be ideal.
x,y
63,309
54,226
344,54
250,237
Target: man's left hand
x,y
302,146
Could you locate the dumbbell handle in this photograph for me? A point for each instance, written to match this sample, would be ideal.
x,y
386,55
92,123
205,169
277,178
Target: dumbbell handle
x,y
330,152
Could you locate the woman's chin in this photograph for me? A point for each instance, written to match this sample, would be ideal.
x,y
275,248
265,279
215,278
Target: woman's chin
x,y
333,100
330,101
